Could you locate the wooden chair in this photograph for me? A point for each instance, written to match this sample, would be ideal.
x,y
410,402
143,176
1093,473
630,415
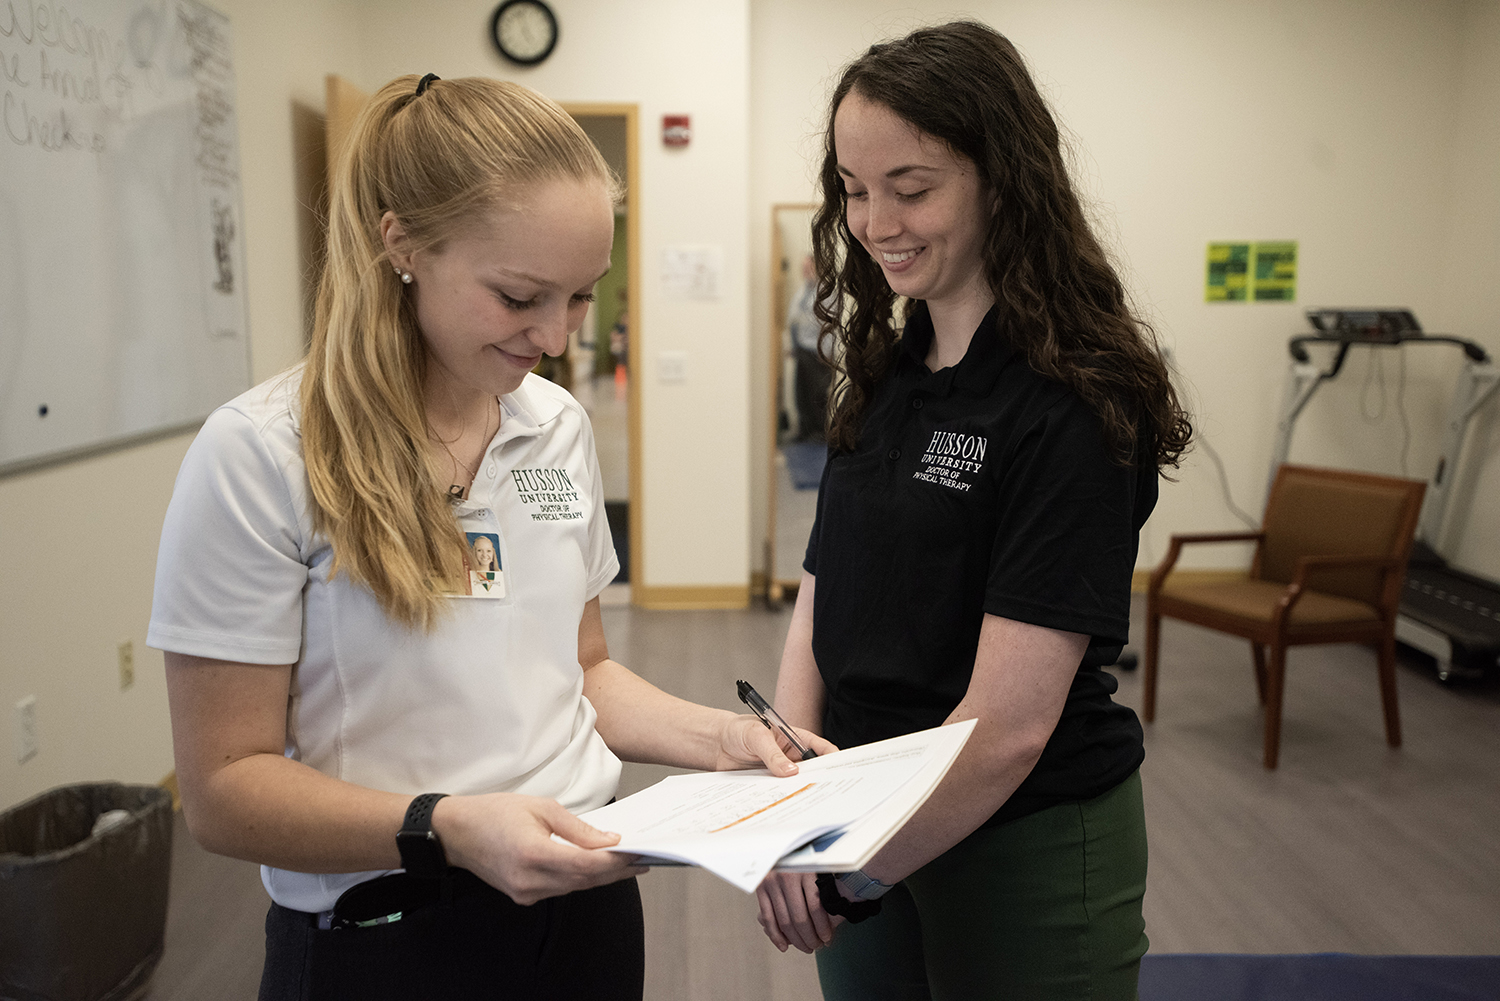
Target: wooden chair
x,y
1329,564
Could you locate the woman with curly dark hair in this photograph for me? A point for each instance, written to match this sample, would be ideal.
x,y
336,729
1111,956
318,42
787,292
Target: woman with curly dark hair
x,y
995,443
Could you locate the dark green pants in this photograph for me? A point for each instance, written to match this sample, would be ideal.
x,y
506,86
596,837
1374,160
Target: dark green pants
x,y
1047,906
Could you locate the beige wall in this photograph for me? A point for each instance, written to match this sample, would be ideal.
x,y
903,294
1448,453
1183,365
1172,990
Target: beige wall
x,y
1366,131
1470,277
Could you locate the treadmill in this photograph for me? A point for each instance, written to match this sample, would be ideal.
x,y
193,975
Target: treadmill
x,y
1446,613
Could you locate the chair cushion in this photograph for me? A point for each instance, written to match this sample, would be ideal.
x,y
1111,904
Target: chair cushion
x,y
1254,602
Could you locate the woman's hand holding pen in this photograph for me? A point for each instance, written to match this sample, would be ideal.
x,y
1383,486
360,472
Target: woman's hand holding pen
x,y
745,742
506,840
770,743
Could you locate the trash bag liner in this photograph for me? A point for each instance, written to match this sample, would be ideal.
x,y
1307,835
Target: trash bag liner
x,y
82,915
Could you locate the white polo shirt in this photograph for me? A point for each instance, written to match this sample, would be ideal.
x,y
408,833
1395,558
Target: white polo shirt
x,y
490,701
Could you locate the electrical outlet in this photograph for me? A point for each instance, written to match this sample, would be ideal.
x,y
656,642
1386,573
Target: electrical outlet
x,y
26,737
127,663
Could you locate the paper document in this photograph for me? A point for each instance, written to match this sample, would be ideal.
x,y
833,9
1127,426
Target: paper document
x,y
739,825
857,843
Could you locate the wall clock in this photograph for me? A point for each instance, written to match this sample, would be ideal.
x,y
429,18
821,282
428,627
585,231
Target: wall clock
x,y
525,31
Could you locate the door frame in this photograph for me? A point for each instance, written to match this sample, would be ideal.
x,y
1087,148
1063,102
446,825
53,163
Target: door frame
x,y
634,354
777,588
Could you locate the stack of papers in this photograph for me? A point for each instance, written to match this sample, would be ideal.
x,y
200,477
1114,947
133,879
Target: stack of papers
x,y
832,816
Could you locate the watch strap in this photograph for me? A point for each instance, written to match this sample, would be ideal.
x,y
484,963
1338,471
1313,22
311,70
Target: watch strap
x,y
421,851
862,886
833,902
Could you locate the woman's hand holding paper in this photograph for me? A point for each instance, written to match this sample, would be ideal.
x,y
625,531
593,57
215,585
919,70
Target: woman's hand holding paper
x,y
507,840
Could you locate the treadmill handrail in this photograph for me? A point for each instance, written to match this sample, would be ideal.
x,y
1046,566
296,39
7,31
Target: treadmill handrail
x,y
1304,379
1472,349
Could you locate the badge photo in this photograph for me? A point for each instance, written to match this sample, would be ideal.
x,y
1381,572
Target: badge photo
x,y
482,560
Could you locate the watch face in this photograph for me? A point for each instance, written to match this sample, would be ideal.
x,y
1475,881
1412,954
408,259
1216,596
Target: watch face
x,y
525,31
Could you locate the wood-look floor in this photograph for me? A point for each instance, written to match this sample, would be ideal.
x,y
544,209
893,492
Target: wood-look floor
x,y
1350,846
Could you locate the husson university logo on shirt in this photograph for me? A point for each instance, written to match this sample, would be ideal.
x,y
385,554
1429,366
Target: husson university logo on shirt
x,y
547,494
953,460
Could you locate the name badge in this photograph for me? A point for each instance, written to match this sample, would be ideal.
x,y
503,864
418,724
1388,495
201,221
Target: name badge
x,y
485,578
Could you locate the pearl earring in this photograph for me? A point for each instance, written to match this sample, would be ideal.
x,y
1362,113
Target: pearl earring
x,y
406,277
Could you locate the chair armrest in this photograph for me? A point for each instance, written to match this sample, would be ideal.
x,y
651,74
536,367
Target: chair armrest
x,y
1174,550
1307,566
1218,537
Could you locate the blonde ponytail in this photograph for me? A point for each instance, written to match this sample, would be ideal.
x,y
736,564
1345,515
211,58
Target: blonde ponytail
x,y
436,161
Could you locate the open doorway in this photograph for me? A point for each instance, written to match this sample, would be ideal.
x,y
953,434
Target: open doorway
x,y
799,399
602,354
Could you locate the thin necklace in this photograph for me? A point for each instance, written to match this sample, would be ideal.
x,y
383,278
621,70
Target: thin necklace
x,y
457,490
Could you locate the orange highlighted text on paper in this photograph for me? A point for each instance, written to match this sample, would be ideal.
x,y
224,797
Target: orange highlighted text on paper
x,y
763,809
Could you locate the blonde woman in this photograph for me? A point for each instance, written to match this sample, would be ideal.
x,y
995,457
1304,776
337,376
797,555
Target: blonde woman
x,y
326,695
484,567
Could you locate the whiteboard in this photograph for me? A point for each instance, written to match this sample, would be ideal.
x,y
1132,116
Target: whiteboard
x,y
122,253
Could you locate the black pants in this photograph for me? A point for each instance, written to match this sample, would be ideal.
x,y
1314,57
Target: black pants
x,y
482,944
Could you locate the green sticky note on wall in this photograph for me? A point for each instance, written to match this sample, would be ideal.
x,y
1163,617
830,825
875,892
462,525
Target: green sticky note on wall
x,y
1228,272
1275,271
1252,272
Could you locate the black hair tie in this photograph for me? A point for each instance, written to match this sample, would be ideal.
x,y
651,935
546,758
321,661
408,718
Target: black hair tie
x,y
424,83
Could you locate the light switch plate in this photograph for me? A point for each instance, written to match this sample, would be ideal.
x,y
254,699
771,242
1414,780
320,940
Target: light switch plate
x,y
671,366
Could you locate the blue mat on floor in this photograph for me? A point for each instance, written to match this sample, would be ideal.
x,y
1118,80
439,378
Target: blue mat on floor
x,y
804,461
1329,976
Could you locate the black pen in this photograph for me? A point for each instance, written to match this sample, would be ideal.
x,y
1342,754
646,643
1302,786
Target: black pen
x,y
770,716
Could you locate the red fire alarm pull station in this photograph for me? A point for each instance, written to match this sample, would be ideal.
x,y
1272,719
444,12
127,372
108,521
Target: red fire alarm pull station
x,y
676,130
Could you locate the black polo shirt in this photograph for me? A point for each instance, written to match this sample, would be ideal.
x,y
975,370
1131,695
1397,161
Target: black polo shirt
x,y
978,488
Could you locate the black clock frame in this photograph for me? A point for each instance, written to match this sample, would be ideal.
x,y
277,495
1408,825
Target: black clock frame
x,y
500,47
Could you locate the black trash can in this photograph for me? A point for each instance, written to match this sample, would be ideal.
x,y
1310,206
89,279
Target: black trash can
x,y
82,914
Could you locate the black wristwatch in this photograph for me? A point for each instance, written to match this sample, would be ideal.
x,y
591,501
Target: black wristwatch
x,y
421,851
853,911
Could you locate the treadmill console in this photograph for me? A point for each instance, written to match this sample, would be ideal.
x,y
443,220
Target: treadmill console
x,y
1368,326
